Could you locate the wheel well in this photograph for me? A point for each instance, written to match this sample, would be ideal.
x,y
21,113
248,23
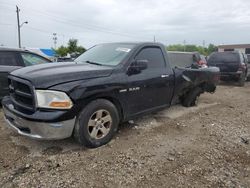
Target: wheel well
x,y
117,104
113,100
201,85
190,89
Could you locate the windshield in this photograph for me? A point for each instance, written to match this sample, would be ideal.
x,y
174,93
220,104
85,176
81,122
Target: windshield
x,y
223,58
105,54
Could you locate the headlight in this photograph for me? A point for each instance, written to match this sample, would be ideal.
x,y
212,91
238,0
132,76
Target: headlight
x,y
53,99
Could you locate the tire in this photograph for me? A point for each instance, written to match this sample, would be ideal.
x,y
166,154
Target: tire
x,y
191,98
96,124
242,80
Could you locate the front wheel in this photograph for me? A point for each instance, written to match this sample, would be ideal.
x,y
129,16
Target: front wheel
x,y
97,123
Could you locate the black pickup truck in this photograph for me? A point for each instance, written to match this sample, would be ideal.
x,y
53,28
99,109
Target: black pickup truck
x,y
106,85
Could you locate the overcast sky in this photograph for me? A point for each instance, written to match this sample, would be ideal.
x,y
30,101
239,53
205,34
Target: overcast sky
x,y
98,21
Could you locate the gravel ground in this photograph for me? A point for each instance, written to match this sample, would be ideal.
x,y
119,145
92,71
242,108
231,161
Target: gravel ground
x,y
204,146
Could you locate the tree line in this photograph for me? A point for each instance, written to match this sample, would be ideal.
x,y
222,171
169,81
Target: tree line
x,y
73,47
193,48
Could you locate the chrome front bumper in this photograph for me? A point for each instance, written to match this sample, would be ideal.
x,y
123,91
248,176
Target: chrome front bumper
x,y
39,130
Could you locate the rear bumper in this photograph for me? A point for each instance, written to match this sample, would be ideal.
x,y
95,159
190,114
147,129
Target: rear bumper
x,y
231,74
38,129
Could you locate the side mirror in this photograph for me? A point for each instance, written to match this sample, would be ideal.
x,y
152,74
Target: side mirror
x,y
137,66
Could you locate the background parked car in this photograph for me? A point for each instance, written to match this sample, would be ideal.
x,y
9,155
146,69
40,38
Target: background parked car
x,y
187,59
232,65
248,58
69,58
12,59
65,59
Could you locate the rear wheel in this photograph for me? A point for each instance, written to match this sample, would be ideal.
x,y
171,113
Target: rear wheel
x,y
242,80
191,98
97,123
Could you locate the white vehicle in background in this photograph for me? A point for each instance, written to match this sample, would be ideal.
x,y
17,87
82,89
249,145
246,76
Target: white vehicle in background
x,y
187,59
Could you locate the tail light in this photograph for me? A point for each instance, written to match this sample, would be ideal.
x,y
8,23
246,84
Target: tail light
x,y
242,67
202,62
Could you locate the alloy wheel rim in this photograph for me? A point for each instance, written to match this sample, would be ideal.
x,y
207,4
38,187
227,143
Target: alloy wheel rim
x,y
99,124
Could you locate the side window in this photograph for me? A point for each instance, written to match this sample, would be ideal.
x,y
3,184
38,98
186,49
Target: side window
x,y
153,55
247,51
8,59
32,59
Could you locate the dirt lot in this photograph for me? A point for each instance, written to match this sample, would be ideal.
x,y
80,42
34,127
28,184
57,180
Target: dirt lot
x,y
203,146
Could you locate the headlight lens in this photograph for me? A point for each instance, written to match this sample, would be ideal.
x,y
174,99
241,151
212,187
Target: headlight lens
x,y
53,99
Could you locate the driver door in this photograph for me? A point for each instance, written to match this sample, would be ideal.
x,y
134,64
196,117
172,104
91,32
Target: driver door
x,y
150,88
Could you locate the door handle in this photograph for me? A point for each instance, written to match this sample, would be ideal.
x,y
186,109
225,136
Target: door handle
x,y
165,76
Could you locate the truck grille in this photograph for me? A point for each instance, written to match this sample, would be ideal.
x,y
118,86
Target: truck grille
x,y
22,95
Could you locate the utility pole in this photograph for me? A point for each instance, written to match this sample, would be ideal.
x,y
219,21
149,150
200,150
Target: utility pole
x,y
55,39
154,38
18,27
184,43
63,39
204,43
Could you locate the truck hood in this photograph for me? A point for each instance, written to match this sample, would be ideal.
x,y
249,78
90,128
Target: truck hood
x,y
47,75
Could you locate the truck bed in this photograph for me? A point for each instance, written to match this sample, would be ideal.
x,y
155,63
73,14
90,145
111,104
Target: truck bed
x,y
187,79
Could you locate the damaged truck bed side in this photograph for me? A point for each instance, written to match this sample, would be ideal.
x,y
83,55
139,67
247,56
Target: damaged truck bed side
x,y
191,82
108,84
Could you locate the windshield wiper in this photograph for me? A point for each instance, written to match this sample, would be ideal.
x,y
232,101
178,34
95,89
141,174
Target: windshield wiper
x,y
93,63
